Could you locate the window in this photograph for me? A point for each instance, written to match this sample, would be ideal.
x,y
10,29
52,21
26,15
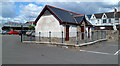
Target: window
x,y
109,20
116,20
104,20
98,21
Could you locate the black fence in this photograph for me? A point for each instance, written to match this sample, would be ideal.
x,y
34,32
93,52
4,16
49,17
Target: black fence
x,y
60,37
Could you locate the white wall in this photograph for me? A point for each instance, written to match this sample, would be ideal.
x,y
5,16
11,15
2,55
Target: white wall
x,y
47,23
93,21
72,30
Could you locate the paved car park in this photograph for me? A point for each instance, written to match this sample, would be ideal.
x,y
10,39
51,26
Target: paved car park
x,y
109,48
15,52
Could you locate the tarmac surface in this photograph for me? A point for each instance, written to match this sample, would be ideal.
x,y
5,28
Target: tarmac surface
x,y
15,52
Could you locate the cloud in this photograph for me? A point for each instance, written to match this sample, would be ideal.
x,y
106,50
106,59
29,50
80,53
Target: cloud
x,y
8,9
60,1
30,11
85,7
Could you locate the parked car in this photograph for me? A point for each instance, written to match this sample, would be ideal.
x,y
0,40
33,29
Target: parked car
x,y
13,32
30,33
5,32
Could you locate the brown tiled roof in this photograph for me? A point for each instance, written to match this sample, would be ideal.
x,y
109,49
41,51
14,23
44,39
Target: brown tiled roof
x,y
111,14
108,14
98,15
118,15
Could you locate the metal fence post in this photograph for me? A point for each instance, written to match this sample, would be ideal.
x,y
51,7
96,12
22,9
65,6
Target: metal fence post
x,y
39,36
49,36
62,36
102,34
105,34
92,35
96,35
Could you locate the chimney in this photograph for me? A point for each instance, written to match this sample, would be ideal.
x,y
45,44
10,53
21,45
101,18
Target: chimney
x,y
115,10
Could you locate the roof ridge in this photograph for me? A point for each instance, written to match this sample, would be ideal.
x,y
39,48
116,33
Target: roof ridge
x,y
62,9
78,15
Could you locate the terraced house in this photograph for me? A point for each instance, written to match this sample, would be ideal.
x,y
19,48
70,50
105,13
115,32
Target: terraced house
x,y
105,21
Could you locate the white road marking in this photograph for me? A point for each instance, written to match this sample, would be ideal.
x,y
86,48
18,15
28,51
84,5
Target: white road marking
x,y
117,52
96,52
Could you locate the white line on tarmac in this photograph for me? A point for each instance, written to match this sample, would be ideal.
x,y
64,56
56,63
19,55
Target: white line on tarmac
x,y
96,52
117,52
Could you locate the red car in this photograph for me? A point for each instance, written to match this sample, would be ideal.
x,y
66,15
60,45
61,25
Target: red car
x,y
13,32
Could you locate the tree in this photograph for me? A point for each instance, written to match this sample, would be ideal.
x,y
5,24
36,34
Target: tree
x,y
31,27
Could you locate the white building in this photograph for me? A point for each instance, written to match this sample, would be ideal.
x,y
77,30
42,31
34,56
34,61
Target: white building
x,y
105,21
56,20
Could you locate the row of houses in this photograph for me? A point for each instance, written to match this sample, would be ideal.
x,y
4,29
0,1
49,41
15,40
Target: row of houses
x,y
59,20
106,21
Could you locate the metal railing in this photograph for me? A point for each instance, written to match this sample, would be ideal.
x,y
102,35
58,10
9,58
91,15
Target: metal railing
x,y
59,37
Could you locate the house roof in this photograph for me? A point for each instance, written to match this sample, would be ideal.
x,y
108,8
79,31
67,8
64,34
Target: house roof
x,y
98,15
81,19
64,16
108,14
89,16
77,15
118,15
61,14
30,22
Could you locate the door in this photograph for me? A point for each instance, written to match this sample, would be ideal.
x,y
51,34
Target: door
x,y
82,30
67,33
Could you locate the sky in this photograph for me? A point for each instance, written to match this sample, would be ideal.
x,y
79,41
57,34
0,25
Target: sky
x,y
21,12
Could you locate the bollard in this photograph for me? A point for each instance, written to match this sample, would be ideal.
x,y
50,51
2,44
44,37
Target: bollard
x,y
21,37
39,36
62,36
77,38
49,36
92,36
